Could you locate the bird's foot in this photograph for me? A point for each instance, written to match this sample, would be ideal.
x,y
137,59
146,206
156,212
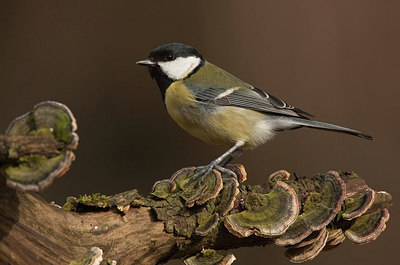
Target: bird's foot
x,y
203,171
226,171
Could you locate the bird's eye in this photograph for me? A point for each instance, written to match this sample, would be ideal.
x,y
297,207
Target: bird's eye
x,y
170,57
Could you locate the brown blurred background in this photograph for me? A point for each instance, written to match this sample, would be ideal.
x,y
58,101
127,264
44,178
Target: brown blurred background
x,y
339,60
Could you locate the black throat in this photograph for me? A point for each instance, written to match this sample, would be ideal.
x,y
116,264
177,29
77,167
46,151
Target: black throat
x,y
163,81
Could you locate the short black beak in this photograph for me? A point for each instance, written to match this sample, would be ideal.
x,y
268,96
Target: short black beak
x,y
146,62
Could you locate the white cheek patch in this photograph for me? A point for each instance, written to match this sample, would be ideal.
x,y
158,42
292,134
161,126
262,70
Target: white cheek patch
x,y
180,67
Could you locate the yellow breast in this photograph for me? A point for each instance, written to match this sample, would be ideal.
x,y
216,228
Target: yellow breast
x,y
179,101
219,125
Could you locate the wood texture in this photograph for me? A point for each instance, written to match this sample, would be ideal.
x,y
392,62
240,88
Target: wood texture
x,y
12,147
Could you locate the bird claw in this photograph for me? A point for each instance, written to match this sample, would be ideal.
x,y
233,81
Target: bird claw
x,y
203,171
226,171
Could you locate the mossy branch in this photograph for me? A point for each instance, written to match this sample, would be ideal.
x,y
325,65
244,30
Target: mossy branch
x,y
182,217
130,229
12,147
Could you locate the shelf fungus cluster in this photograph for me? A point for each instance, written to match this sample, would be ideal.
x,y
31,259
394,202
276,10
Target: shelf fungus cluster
x,y
191,209
49,122
304,215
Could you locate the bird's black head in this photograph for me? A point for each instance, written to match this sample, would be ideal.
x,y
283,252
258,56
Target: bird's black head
x,y
171,51
171,62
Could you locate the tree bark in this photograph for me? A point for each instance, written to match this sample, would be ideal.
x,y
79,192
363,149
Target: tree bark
x,y
15,146
33,231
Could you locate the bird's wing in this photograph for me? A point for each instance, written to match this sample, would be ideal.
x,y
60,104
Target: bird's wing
x,y
227,90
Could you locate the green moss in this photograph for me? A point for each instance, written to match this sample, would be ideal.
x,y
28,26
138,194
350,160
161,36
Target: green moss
x,y
68,206
125,198
255,188
185,226
96,199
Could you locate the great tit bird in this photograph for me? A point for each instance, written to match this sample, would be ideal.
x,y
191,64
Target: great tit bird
x,y
219,108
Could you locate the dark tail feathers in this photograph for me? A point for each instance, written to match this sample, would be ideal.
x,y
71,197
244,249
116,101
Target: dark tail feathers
x,y
330,127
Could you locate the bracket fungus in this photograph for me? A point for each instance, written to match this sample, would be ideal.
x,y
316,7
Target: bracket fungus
x,y
206,224
335,238
382,200
352,218
368,227
364,212
163,188
319,209
357,204
239,170
359,197
271,215
307,215
189,207
314,236
210,257
92,257
35,172
308,252
279,175
194,192
226,200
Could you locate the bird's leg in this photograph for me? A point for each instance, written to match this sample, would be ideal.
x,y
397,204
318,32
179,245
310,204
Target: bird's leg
x,y
221,167
205,170
235,154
